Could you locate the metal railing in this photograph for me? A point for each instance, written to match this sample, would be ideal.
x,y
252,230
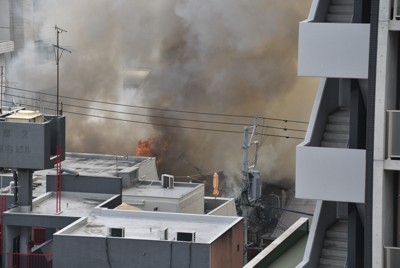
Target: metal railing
x,y
21,260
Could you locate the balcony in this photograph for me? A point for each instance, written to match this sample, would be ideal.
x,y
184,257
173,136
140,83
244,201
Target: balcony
x,y
333,50
326,169
333,174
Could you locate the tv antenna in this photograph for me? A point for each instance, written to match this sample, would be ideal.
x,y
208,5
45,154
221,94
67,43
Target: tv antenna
x,y
58,57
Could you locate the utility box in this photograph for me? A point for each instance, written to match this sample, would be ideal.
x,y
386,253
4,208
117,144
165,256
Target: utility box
x,y
24,116
255,184
30,144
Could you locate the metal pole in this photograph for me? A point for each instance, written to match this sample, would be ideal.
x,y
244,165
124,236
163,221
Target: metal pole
x,y
245,183
58,67
245,157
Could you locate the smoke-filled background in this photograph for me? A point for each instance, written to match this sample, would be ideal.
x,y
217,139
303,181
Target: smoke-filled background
x,y
220,57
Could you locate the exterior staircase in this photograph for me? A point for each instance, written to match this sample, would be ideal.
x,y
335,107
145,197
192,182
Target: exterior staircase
x,y
334,250
337,129
340,11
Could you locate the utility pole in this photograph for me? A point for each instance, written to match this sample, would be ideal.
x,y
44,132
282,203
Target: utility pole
x,y
244,195
58,57
59,149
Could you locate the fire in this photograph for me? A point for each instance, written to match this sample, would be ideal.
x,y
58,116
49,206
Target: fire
x,y
151,147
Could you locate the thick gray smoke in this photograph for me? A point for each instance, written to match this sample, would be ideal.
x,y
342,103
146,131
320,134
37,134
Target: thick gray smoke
x,y
225,56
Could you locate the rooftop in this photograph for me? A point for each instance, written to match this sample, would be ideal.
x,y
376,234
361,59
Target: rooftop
x,y
154,189
96,164
72,204
151,225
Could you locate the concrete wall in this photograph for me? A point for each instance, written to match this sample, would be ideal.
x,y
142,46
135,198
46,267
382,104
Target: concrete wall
x,y
220,206
112,202
333,50
5,20
19,224
385,99
85,184
152,203
227,250
22,20
148,170
145,170
99,252
333,174
193,202
30,145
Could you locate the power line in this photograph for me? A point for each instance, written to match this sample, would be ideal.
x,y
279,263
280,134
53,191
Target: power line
x,y
185,127
174,126
162,109
160,117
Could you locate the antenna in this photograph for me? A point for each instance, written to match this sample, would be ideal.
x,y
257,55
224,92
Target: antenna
x,y
58,57
59,149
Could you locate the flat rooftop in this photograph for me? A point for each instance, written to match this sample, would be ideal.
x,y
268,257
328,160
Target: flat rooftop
x,y
72,204
154,189
88,165
149,225
98,164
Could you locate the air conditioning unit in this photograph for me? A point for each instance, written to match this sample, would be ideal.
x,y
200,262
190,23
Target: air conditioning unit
x,y
167,181
116,232
186,236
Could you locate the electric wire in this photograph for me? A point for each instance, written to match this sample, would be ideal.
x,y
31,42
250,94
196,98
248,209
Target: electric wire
x,y
157,124
160,117
160,109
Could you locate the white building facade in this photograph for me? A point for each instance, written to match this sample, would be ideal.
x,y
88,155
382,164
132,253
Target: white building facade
x,y
349,160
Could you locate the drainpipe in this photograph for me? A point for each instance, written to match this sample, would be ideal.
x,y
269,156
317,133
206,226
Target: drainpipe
x,y
374,19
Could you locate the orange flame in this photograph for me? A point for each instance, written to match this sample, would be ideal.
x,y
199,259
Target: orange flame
x,y
151,147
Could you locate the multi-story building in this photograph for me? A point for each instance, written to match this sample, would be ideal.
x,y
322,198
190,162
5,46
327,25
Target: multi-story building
x,y
349,160
6,42
102,210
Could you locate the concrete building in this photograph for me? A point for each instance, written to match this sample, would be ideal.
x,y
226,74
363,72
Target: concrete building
x,y
6,44
348,161
103,210
6,41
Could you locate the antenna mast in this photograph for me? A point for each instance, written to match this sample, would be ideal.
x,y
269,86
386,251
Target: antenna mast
x,y
58,57
59,149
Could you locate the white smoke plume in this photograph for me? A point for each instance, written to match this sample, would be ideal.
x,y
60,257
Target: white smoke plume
x,y
225,56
